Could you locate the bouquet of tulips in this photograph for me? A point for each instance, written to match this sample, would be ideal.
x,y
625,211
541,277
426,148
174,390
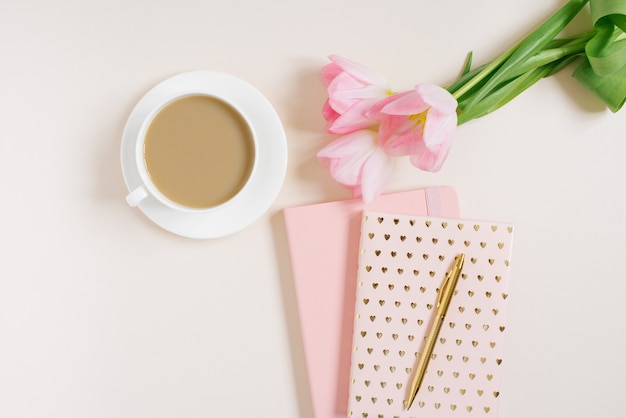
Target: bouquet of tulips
x,y
376,124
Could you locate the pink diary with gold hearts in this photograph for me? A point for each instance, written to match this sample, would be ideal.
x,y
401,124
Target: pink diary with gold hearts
x,y
403,261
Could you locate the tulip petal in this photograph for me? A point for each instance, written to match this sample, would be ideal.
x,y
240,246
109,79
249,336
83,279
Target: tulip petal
x,y
350,144
329,113
340,100
329,72
344,91
398,135
439,128
358,71
346,156
376,111
352,90
406,105
357,162
375,175
352,119
430,159
437,97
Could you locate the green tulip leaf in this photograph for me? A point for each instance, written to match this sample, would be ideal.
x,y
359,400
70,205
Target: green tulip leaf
x,y
604,70
611,89
607,49
528,47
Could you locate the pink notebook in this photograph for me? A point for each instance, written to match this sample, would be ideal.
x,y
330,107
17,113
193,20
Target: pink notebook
x,y
403,261
323,241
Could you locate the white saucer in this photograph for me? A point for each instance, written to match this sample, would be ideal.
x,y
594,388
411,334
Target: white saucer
x,y
267,177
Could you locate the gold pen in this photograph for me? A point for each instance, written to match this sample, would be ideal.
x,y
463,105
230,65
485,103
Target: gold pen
x,y
443,301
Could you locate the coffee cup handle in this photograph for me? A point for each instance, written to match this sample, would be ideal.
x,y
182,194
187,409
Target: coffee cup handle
x,y
136,196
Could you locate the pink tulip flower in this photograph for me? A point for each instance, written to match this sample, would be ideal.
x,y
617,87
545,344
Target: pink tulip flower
x,y
358,162
419,123
352,90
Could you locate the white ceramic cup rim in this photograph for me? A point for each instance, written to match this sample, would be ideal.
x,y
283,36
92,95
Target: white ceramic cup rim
x,y
147,188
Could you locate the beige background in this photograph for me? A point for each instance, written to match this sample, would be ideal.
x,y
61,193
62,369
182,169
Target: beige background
x,y
104,314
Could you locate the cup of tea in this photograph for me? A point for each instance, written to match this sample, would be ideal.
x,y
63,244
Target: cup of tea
x,y
203,154
196,152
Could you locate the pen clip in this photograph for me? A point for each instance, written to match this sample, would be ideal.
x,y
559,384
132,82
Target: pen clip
x,y
446,287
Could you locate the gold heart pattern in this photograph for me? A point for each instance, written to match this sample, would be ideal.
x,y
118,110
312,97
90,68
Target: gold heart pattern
x,y
463,375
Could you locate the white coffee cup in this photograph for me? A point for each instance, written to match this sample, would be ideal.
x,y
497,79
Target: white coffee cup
x,y
222,132
240,208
